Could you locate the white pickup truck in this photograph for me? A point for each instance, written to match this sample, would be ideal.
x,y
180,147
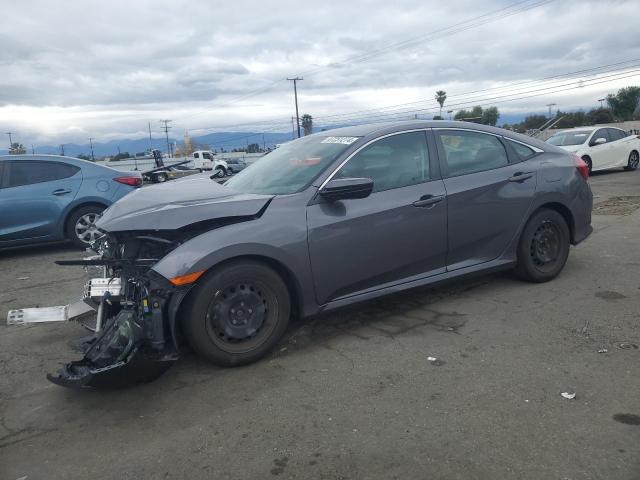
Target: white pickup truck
x,y
205,160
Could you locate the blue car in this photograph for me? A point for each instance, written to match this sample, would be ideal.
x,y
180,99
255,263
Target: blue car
x,y
46,198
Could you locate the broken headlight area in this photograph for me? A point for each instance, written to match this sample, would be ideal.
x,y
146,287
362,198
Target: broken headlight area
x,y
134,338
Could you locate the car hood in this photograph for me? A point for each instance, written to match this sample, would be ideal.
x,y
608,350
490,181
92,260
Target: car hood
x,y
177,204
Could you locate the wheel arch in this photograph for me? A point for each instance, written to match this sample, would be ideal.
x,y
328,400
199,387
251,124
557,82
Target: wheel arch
x,y
288,277
562,210
78,206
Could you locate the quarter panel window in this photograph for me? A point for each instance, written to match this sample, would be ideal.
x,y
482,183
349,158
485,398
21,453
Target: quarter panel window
x,y
392,162
521,150
470,152
31,172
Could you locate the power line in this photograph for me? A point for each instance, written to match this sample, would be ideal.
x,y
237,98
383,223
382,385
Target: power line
x,y
513,9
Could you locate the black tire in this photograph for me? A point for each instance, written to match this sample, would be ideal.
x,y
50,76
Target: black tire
x,y
544,246
160,178
79,225
634,160
221,172
260,303
587,160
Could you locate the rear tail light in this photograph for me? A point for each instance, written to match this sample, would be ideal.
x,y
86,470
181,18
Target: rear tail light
x,y
582,167
133,181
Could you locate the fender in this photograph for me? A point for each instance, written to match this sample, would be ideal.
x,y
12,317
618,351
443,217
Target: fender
x,y
263,237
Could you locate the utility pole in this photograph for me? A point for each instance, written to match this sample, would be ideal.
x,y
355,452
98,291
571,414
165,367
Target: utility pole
x,y
295,94
150,141
33,150
601,100
10,140
449,112
264,148
293,128
62,149
93,159
550,105
166,129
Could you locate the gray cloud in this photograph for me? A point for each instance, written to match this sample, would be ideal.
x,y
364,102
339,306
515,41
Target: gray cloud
x,y
105,68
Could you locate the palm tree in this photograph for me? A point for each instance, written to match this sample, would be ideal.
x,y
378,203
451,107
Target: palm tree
x,y
441,96
307,123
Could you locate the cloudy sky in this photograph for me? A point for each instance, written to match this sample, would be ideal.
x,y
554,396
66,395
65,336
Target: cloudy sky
x,y
75,69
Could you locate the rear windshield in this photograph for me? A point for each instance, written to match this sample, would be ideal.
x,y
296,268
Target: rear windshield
x,y
290,167
564,139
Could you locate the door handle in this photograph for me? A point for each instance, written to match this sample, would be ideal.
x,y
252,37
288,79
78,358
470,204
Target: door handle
x,y
61,191
521,176
428,200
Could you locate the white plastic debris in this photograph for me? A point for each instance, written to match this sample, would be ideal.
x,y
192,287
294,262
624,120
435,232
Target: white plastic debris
x,y
23,278
603,350
432,359
568,396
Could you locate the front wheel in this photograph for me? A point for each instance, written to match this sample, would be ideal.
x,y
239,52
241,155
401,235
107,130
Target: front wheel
x,y
634,160
220,172
237,313
544,247
81,225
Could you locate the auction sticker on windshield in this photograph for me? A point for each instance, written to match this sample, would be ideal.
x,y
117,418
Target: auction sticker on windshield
x,y
341,140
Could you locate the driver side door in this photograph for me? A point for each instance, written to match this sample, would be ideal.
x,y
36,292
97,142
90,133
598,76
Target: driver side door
x,y
398,233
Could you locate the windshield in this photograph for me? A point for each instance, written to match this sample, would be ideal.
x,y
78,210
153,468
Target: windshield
x,y
290,167
564,139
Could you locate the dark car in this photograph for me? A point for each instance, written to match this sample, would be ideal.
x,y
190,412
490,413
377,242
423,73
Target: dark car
x,y
323,222
45,198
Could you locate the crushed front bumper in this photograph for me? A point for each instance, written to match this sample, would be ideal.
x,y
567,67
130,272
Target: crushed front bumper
x,y
133,340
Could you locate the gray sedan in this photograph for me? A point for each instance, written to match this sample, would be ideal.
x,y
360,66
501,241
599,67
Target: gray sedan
x,y
323,222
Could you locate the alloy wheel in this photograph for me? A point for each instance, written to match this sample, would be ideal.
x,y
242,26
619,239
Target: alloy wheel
x,y
634,160
86,229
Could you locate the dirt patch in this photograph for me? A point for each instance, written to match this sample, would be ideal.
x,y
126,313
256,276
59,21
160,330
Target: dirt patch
x,y
617,206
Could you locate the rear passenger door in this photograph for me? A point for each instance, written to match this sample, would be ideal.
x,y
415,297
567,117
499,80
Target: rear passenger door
x,y
489,190
33,196
619,149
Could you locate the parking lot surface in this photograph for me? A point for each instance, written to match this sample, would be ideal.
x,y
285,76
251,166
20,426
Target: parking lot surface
x,y
461,381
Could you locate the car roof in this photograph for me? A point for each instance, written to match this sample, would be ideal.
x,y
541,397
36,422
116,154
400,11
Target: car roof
x,y
377,129
58,158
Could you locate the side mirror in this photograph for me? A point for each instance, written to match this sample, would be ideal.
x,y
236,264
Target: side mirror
x,y
599,141
346,188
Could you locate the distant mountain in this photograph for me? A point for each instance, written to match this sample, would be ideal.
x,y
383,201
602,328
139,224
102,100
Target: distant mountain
x,y
228,140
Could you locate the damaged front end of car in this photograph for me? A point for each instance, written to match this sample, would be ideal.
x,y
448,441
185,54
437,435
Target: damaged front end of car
x,y
134,337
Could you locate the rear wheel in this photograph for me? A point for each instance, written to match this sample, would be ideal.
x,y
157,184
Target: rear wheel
x,y
237,314
160,177
81,225
587,160
220,172
634,160
544,246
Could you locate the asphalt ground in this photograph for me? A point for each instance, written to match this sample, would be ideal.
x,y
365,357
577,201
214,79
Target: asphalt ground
x,y
461,381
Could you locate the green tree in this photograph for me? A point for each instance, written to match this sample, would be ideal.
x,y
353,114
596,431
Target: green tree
x,y
253,148
82,156
531,122
490,116
624,102
307,124
120,156
440,97
437,117
599,115
17,149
